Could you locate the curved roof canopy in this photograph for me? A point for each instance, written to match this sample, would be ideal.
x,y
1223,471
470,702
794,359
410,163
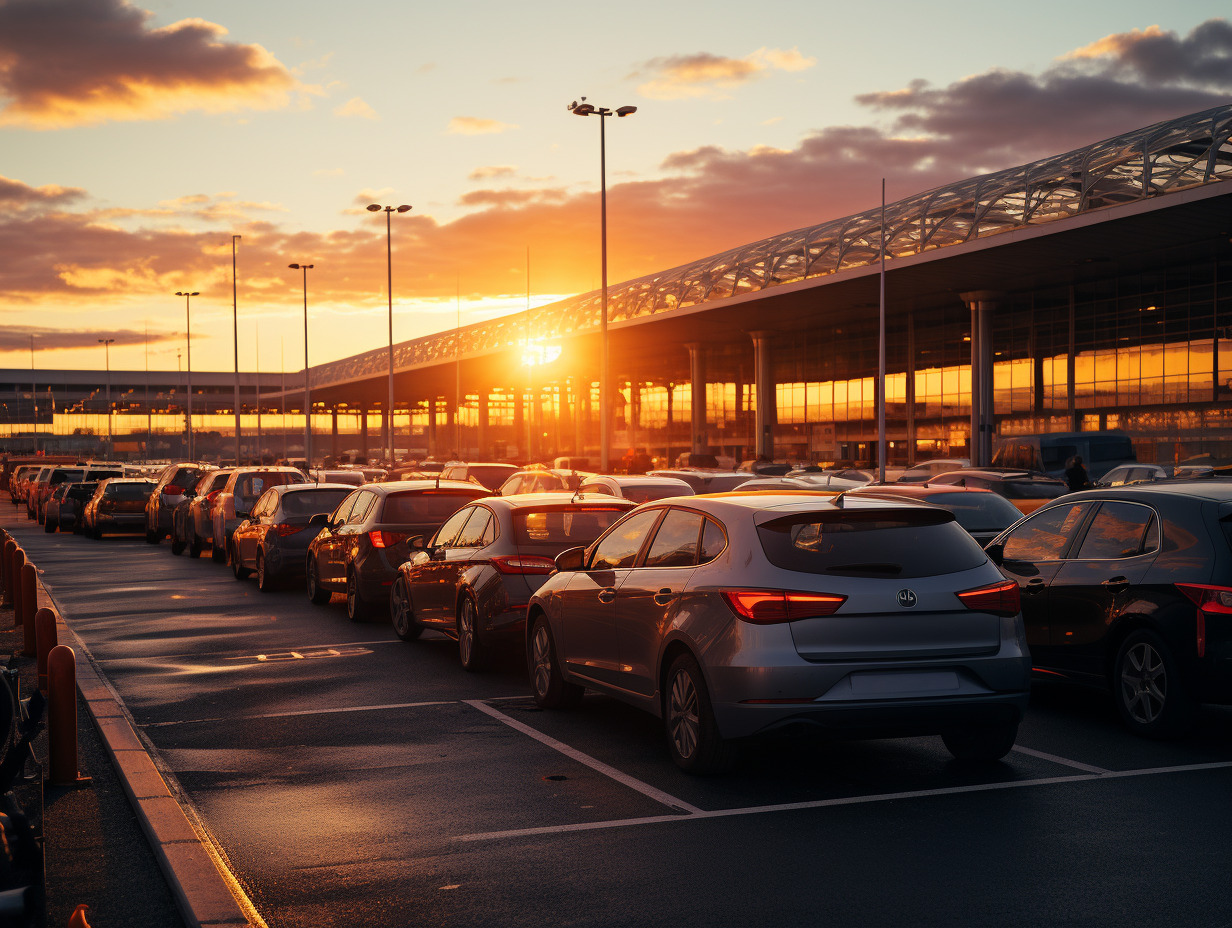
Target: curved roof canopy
x,y
1155,161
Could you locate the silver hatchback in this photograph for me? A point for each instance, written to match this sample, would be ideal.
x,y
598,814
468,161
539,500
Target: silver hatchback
x,y
734,614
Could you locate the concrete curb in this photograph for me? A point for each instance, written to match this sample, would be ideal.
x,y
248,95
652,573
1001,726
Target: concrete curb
x,y
205,891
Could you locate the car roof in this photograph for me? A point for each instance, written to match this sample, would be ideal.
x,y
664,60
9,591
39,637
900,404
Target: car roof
x,y
284,488
397,486
920,490
1216,490
534,500
781,503
622,480
998,473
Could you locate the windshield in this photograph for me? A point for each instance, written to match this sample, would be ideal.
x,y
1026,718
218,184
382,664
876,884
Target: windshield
x,y
491,475
1034,489
978,512
424,507
564,527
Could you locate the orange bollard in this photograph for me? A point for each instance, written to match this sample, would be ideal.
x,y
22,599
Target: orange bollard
x,y
6,571
29,605
19,560
78,918
45,636
62,718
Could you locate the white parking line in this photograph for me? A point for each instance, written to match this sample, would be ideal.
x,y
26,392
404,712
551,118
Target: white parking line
x,y
302,712
849,801
1064,761
611,772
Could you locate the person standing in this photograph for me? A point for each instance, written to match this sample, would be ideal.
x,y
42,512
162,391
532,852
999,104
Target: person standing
x,y
1076,474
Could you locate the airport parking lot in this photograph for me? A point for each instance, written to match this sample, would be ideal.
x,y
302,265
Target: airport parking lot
x,y
351,778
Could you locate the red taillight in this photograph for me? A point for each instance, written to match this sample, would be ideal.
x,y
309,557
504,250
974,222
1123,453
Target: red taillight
x,y
1000,598
382,539
767,607
172,490
523,564
283,529
1212,600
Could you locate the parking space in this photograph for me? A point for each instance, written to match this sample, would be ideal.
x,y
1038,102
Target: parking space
x,y
326,757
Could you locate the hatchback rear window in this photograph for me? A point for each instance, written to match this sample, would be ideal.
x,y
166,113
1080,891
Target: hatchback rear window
x,y
61,476
870,544
307,503
559,526
128,490
491,476
82,490
434,506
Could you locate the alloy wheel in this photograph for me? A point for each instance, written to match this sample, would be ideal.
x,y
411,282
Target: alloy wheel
x,y
466,632
541,656
1144,683
683,720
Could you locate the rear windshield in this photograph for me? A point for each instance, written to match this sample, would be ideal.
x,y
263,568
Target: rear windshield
x,y
430,506
492,476
870,544
307,503
978,512
1033,489
60,476
567,527
101,474
129,490
81,490
186,476
644,492
250,486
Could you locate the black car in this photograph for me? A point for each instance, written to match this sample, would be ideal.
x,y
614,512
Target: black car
x,y
1130,589
273,539
362,542
473,579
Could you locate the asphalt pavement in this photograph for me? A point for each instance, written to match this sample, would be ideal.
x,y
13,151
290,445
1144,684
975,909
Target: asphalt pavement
x,y
343,777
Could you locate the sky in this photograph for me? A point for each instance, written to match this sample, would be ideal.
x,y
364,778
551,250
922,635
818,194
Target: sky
x,y
136,139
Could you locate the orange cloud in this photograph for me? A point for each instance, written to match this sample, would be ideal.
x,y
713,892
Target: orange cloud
x,y
706,75
356,107
81,62
492,170
473,125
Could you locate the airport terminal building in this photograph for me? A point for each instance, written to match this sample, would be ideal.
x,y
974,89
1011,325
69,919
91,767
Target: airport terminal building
x,y
1090,290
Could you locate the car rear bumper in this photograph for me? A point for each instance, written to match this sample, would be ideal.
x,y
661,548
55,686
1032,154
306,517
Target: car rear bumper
x,y
120,522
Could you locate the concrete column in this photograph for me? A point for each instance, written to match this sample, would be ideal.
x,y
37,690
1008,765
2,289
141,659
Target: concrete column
x,y
910,389
363,432
767,411
433,447
697,375
482,453
519,423
983,412
333,433
451,432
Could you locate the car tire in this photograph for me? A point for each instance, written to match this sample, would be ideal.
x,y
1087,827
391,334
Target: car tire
x,y
318,595
194,545
356,608
265,580
548,684
1148,690
693,737
218,553
981,744
472,651
401,615
237,566
49,526
152,538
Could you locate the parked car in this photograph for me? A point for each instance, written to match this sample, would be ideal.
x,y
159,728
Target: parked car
x,y
730,616
34,488
1130,590
541,481
173,482
72,505
921,473
273,540
1027,490
1129,474
983,513
640,488
490,476
17,478
118,505
362,542
706,481
473,578
196,523
765,468
1050,452
51,509
813,483
243,487
354,478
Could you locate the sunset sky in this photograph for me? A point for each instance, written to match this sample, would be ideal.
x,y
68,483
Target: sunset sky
x,y
136,139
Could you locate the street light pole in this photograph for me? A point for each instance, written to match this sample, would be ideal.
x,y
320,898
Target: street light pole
x,y
34,392
587,109
307,385
106,343
235,324
187,295
389,288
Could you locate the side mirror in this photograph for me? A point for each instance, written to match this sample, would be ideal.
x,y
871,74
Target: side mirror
x,y
996,552
416,543
571,559
319,518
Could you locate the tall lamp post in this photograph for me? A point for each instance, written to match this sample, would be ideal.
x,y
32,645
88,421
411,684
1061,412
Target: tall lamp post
x,y
235,327
106,343
307,385
605,411
389,287
187,295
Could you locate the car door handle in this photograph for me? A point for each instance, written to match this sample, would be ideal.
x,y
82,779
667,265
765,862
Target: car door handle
x,y
1117,583
664,597
1035,585
607,595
